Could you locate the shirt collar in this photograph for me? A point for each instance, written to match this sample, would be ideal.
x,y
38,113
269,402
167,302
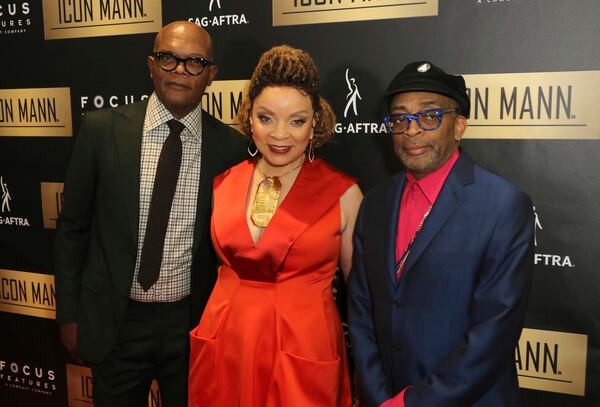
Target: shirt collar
x,y
157,114
431,184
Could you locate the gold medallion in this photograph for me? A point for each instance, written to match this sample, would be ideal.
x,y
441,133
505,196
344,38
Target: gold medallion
x,y
267,196
265,201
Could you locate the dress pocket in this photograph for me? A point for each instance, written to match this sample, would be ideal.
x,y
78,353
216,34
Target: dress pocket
x,y
301,382
202,383
215,313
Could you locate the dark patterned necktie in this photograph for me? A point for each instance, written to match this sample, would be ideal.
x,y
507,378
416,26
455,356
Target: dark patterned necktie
x,y
165,182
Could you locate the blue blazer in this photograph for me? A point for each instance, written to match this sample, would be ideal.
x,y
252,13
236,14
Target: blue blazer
x,y
449,327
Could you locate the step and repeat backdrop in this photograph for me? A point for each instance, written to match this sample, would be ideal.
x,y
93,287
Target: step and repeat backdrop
x,y
533,72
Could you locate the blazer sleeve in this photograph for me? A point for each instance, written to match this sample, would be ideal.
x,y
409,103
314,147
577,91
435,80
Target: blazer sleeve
x,y
374,383
74,223
496,317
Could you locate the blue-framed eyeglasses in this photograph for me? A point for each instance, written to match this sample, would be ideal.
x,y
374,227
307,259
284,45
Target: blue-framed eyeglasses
x,y
430,119
193,65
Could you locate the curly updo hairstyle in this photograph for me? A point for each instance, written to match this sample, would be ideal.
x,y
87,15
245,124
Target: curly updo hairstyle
x,y
287,66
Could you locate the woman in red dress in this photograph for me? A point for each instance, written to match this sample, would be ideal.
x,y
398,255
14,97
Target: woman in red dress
x,y
270,334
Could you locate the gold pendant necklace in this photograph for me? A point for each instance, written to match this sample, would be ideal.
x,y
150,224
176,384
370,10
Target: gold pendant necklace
x,y
267,197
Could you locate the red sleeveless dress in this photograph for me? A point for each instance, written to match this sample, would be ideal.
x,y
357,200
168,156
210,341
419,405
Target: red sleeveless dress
x,y
270,335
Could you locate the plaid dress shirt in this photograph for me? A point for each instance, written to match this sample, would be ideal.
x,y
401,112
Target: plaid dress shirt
x,y
174,281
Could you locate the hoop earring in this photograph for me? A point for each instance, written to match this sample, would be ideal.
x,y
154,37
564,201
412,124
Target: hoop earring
x,y
252,153
311,152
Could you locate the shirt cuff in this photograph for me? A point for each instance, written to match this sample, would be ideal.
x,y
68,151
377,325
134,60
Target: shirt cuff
x,y
396,401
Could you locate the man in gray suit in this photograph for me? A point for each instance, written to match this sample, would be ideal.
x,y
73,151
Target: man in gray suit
x,y
134,264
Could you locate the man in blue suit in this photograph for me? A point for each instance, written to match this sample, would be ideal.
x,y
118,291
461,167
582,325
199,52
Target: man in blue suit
x,y
442,261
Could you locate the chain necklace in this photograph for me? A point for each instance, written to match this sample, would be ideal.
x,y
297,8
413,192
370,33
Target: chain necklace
x,y
267,196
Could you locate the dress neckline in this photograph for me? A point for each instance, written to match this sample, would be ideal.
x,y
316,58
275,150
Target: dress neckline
x,y
282,206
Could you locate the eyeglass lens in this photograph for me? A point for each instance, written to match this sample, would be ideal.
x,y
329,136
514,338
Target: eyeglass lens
x,y
193,65
427,120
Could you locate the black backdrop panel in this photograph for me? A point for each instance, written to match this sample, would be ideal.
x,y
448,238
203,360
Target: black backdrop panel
x,y
472,37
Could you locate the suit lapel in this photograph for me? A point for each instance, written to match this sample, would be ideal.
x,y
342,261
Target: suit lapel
x,y
129,126
450,198
390,221
210,159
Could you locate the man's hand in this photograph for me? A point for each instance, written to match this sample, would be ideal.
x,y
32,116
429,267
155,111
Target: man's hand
x,y
68,337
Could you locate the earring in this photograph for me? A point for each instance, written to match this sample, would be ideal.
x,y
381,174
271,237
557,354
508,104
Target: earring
x,y
252,153
311,152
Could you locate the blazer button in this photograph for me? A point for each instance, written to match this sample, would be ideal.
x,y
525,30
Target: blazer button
x,y
396,348
397,304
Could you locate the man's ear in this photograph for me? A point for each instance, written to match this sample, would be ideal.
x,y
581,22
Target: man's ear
x,y
212,74
150,61
460,126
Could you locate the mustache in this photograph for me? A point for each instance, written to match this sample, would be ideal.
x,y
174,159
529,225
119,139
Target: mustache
x,y
178,83
414,145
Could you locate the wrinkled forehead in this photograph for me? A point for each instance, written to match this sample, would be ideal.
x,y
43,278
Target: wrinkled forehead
x,y
184,41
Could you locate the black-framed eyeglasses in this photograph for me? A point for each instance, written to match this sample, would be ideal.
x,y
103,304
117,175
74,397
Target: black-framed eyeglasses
x,y
169,62
430,119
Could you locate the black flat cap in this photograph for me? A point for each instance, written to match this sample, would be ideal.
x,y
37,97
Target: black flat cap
x,y
423,76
